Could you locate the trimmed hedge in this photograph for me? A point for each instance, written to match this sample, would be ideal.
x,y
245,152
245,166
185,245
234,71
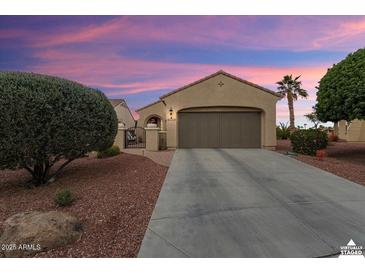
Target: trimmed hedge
x,y
45,119
109,152
308,141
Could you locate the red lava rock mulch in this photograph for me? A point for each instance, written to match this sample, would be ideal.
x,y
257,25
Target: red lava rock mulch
x,y
115,198
344,159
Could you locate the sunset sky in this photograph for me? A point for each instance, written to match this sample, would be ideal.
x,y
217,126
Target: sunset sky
x,y
139,58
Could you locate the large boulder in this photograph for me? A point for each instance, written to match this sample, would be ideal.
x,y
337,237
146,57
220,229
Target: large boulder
x,y
28,233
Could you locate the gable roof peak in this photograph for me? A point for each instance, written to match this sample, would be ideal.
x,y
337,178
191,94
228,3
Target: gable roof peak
x,y
116,102
226,74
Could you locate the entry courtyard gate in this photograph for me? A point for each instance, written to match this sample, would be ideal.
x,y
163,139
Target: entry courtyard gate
x,y
135,137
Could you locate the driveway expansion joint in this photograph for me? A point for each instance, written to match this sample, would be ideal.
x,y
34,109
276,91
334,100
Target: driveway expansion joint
x,y
169,243
223,210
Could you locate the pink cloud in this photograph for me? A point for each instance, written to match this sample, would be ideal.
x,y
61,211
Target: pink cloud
x,y
84,34
289,32
115,72
143,28
283,112
116,75
344,33
101,64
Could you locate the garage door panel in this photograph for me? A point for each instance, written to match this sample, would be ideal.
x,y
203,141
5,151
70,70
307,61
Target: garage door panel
x,y
250,130
198,130
230,130
219,129
187,127
209,135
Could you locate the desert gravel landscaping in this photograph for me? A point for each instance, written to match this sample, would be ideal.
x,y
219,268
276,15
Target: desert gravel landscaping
x,y
344,159
114,199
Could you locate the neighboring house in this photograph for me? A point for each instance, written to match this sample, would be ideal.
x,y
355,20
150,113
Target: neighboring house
x,y
125,117
218,111
351,132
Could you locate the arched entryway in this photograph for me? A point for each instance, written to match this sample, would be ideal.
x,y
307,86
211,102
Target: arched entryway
x,y
154,120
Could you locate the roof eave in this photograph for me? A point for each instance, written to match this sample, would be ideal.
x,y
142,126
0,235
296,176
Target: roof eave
x,y
226,74
156,102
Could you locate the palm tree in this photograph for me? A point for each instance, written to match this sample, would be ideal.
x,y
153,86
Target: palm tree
x,y
291,88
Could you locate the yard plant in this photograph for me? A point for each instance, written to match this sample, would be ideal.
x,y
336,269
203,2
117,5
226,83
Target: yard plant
x,y
282,131
308,141
341,92
109,152
64,198
47,122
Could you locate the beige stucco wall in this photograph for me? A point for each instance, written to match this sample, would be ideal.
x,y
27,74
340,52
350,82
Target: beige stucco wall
x,y
355,131
119,138
152,139
124,116
209,94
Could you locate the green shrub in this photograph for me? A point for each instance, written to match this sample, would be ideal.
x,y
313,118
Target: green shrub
x,y
282,131
64,198
109,152
45,119
308,141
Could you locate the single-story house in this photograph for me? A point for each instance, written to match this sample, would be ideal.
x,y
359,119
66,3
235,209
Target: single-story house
x,y
351,132
218,111
125,117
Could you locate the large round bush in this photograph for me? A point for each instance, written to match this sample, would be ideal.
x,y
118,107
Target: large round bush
x,y
46,119
308,141
341,92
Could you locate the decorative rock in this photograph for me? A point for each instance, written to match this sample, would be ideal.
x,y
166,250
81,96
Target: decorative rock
x,y
28,233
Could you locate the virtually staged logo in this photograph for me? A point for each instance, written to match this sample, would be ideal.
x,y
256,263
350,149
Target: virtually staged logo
x,y
351,249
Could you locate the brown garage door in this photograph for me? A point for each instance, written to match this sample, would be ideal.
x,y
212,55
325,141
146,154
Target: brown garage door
x,y
219,130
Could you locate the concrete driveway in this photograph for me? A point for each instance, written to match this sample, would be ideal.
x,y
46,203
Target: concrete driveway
x,y
252,203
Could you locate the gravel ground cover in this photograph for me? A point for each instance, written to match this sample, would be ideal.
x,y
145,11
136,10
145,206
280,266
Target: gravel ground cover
x,y
114,199
344,159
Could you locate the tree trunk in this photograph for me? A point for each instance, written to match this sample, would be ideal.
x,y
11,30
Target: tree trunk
x,y
291,111
39,177
41,172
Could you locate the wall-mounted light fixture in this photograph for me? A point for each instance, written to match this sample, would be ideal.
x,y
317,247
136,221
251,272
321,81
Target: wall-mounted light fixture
x,y
171,112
